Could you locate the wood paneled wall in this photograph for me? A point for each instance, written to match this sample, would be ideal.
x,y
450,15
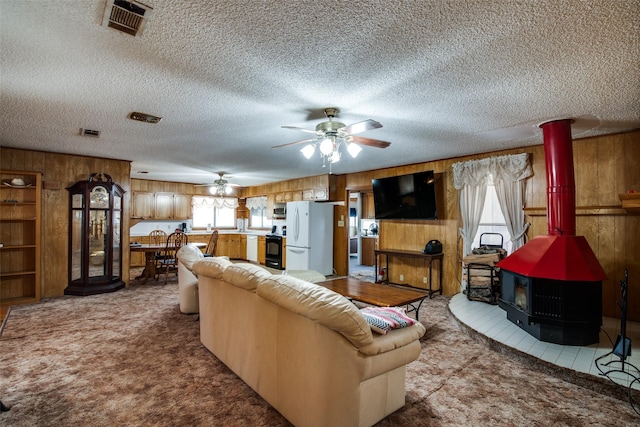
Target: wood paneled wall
x,y
604,167
59,172
319,181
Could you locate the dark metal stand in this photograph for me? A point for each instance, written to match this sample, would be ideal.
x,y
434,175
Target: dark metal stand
x,y
410,254
622,349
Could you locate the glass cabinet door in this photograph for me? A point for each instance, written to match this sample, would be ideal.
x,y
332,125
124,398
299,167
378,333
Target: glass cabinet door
x,y
77,235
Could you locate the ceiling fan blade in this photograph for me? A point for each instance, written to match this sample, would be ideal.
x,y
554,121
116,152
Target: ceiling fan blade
x,y
370,142
301,129
361,126
294,143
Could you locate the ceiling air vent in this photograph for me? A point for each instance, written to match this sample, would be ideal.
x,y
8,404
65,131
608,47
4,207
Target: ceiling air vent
x,y
89,132
126,16
146,118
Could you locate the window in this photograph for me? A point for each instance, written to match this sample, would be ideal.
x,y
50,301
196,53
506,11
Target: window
x,y
217,212
258,218
258,212
492,221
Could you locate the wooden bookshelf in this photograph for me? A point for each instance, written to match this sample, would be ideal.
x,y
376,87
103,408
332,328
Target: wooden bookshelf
x,y
20,207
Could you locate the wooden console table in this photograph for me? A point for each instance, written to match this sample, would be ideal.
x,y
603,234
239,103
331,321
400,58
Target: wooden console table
x,y
411,254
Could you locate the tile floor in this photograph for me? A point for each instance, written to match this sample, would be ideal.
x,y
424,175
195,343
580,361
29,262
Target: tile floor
x,y
491,321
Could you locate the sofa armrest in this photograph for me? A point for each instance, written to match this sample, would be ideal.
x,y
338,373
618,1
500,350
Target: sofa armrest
x,y
396,338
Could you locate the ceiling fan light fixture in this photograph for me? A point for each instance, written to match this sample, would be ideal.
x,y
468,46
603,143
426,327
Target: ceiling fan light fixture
x,y
308,150
326,146
354,149
331,135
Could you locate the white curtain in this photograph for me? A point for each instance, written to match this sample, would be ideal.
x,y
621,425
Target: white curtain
x,y
508,177
471,205
215,202
508,174
471,179
257,202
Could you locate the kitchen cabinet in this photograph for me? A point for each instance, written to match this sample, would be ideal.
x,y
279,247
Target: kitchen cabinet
x,y
315,194
369,245
288,196
147,205
142,205
182,206
232,245
20,207
368,206
262,249
163,206
137,258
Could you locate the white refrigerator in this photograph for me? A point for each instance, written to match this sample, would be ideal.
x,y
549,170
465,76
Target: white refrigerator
x,y
310,237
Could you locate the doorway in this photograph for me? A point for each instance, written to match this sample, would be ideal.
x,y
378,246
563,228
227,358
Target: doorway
x,y
358,265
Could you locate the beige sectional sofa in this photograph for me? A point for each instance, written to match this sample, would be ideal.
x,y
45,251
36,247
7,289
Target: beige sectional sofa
x,y
306,350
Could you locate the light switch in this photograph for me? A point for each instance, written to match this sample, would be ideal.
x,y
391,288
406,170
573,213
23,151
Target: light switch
x,y
340,223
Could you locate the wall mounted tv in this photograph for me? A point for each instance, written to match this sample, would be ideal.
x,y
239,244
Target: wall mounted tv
x,y
410,196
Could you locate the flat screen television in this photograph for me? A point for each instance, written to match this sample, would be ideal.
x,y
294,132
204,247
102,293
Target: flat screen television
x,y
410,196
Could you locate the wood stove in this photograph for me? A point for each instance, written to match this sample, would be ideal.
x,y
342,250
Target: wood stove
x,y
552,286
564,312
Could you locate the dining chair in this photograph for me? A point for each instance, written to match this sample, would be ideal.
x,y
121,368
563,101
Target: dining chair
x,y
212,246
157,237
168,261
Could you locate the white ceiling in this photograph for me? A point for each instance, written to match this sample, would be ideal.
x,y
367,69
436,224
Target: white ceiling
x,y
444,77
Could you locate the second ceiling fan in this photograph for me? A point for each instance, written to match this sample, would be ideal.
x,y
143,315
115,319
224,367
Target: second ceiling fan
x,y
330,135
220,187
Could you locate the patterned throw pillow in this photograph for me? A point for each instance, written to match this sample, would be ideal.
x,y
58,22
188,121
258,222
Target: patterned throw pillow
x,y
383,319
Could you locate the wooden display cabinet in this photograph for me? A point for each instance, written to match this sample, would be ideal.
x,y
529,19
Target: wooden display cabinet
x,y
95,227
20,207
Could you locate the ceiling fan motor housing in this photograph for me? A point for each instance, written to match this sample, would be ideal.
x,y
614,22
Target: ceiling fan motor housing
x,y
329,127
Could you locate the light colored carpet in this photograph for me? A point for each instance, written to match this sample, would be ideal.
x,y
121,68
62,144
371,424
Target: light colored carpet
x,y
131,358
367,275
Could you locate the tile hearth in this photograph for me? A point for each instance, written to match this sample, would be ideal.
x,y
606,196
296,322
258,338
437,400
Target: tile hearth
x,y
491,321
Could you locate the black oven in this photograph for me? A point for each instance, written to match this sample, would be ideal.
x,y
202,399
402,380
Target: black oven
x,y
273,253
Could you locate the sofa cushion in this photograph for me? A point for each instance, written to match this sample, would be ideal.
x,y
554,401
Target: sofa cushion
x,y
384,319
188,254
211,267
318,304
245,275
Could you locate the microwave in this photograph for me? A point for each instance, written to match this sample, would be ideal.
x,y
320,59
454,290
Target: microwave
x,y
280,211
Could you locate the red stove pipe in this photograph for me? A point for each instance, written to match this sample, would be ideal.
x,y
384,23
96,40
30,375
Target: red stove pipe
x,y
561,186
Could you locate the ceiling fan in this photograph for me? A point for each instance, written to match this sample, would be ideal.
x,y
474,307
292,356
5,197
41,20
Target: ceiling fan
x,y
220,187
330,135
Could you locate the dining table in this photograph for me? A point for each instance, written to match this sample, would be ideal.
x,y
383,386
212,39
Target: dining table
x,y
150,250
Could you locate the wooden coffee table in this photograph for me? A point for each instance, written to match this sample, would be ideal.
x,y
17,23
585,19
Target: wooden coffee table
x,y
376,293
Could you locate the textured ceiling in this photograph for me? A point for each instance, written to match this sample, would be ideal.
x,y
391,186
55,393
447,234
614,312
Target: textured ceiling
x,y
444,77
